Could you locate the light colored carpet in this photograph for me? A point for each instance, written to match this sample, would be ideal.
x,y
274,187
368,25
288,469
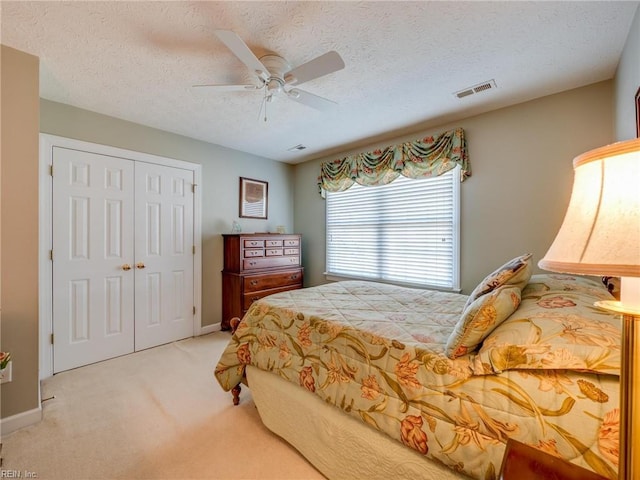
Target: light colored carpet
x,y
155,414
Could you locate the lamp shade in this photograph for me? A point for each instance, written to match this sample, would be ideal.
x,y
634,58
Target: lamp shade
x,y
600,234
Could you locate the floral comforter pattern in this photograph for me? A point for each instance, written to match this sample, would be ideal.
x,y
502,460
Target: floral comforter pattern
x,y
377,352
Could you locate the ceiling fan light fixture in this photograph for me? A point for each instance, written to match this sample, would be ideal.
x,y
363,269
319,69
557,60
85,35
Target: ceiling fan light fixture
x,y
274,86
294,93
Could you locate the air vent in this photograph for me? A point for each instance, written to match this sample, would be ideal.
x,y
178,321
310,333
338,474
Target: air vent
x,y
297,147
481,87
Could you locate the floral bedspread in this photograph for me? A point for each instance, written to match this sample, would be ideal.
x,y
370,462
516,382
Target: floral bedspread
x,y
376,351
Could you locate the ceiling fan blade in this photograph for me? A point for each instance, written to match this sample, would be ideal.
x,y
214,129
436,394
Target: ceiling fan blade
x,y
323,65
229,88
311,100
244,53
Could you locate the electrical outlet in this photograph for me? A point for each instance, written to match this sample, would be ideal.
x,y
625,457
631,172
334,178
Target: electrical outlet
x,y
5,375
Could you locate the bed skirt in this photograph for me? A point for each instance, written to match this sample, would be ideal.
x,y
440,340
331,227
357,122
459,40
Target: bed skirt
x,y
339,446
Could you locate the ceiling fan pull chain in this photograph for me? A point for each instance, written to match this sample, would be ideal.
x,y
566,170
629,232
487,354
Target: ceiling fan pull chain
x,y
266,101
263,104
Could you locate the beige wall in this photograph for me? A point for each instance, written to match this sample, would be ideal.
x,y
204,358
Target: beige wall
x,y
19,230
515,199
627,82
221,169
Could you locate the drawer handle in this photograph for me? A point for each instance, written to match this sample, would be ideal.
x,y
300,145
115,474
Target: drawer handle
x,y
293,277
252,263
255,299
254,282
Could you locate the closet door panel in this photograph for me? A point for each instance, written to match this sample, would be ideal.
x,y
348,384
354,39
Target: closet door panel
x,y
164,254
92,241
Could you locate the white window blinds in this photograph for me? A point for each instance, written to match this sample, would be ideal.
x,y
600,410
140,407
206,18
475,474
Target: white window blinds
x,y
404,232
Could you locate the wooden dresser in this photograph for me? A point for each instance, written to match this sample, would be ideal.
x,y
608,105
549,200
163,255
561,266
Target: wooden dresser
x,y
257,265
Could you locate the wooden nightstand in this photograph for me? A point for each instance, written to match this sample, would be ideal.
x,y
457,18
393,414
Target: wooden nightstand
x,y
522,462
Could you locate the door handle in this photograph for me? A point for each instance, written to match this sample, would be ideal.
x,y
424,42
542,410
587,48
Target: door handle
x,y
140,265
126,267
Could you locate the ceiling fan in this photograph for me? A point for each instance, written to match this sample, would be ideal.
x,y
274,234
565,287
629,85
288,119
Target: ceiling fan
x,y
275,76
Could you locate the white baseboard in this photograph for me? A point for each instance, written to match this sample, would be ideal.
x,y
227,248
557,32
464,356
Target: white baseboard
x,y
20,420
210,329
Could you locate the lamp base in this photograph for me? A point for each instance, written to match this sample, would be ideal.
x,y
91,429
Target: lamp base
x,y
629,452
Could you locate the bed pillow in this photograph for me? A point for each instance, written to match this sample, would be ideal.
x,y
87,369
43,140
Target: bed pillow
x,y
480,318
515,272
556,327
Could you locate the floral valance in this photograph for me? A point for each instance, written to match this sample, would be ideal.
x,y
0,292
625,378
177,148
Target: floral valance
x,y
426,157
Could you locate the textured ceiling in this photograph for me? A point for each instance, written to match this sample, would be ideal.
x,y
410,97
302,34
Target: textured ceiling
x,y
404,60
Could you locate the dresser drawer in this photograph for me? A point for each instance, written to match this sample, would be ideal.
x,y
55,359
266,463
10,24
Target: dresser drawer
x,y
254,244
273,252
249,298
292,242
292,251
254,252
255,283
273,243
271,262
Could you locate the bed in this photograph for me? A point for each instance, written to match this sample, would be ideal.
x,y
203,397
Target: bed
x,y
366,378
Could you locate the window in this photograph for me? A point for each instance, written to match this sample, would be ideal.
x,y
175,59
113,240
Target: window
x,y
405,232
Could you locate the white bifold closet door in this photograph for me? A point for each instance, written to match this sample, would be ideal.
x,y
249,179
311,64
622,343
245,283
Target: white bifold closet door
x,y
164,254
122,256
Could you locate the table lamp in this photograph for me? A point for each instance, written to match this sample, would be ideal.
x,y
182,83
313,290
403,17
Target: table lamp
x,y
600,235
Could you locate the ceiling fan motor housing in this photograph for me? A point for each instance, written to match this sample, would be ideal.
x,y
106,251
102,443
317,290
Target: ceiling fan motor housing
x,y
277,67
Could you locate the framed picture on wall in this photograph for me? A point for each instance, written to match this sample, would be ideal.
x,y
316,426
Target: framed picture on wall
x,y
253,198
638,113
